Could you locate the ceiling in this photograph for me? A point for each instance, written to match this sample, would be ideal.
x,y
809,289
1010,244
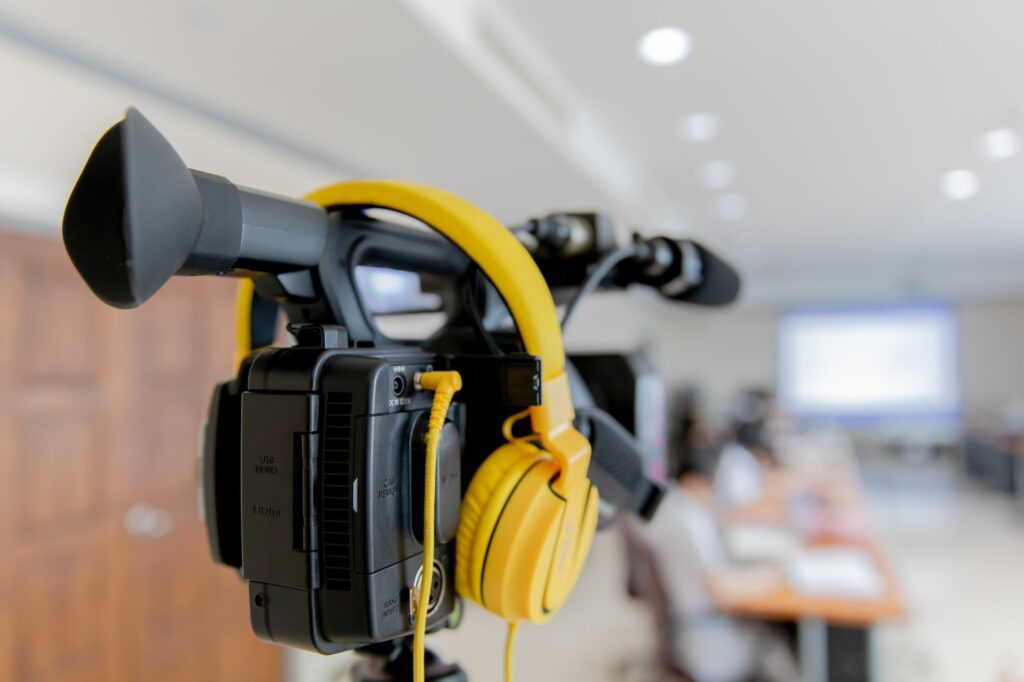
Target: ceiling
x,y
839,118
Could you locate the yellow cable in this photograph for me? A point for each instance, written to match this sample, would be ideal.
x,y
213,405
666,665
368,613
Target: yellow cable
x,y
444,385
510,640
243,321
509,424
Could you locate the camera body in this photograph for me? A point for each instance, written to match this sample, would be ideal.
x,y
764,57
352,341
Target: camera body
x,y
312,459
315,501
312,484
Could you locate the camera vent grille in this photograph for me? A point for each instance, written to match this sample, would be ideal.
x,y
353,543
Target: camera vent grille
x,y
336,541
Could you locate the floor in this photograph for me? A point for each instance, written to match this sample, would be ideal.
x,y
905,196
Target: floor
x,y
957,549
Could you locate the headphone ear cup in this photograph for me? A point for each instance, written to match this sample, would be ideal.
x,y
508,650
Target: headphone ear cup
x,y
538,546
482,505
520,545
576,534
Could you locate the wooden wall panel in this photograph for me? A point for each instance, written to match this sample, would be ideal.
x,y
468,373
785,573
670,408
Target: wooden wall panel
x,y
60,468
62,588
7,421
105,574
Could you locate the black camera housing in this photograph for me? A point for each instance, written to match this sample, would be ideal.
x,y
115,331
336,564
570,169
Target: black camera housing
x,y
313,489
312,484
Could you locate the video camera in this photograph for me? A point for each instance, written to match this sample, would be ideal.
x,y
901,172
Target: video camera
x,y
312,482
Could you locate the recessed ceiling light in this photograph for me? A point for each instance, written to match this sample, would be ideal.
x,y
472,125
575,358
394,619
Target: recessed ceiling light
x,y
960,184
699,127
731,206
663,46
718,174
1001,143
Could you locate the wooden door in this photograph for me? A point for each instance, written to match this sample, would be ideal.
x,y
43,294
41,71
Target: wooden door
x,y
104,569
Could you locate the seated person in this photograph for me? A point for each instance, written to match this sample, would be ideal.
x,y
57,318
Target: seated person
x,y
738,477
705,644
738,480
692,448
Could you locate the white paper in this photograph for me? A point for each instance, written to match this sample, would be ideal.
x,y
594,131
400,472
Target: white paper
x,y
836,572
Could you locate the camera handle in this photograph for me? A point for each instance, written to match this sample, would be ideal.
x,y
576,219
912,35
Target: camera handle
x,y
392,662
328,294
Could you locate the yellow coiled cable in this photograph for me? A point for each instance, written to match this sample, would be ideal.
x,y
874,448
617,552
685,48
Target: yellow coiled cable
x,y
444,385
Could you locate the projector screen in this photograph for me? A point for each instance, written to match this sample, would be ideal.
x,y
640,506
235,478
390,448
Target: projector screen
x,y
879,363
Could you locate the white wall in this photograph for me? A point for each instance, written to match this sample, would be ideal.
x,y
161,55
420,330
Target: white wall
x,y
723,351
992,335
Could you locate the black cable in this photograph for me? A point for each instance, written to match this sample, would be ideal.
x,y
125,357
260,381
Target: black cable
x,y
469,295
596,276
262,321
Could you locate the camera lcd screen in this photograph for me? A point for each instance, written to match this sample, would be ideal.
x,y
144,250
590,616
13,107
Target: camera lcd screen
x,y
388,291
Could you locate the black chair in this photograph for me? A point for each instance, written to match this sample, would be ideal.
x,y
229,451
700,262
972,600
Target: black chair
x,y
644,582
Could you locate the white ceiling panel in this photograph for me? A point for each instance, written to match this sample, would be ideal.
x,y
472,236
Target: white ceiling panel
x,y
839,118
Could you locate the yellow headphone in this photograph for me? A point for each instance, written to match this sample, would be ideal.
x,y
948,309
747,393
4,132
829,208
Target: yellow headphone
x,y
529,515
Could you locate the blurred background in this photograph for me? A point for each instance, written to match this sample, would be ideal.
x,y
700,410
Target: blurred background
x,y
844,446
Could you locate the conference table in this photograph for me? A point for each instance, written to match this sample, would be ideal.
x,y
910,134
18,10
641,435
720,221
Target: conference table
x,y
825,515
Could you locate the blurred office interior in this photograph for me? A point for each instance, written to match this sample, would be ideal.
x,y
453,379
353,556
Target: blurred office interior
x,y
844,445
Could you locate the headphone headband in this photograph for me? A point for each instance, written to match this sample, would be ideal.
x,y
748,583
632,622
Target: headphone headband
x,y
500,256
508,265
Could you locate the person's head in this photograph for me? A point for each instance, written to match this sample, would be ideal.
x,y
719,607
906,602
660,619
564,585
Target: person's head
x,y
688,403
682,469
750,413
684,454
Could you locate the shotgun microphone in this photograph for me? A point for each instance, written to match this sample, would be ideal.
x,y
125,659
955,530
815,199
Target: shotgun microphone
x,y
570,247
681,270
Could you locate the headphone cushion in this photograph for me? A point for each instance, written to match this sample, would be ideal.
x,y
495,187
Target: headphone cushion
x,y
537,546
482,504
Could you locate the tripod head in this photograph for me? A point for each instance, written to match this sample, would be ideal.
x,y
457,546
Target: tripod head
x,y
392,662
